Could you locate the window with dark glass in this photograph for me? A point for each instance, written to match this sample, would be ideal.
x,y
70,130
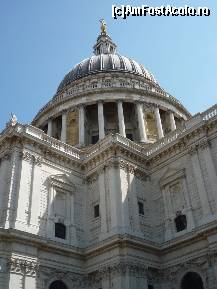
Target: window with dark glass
x,y
60,230
150,287
141,208
96,211
94,139
181,223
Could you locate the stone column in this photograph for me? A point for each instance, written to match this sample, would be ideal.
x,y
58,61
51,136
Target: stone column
x,y
101,121
49,128
121,119
63,130
172,121
158,122
200,183
81,126
142,128
211,170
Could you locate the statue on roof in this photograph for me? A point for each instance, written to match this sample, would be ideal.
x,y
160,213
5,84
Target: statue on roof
x,y
13,119
103,26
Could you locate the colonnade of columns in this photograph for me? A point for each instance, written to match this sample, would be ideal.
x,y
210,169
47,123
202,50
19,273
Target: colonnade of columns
x,y
121,123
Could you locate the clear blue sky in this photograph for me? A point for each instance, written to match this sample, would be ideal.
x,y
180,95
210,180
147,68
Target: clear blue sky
x,y
42,40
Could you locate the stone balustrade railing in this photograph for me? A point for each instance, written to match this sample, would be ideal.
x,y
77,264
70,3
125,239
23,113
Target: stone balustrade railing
x,y
113,138
210,113
54,143
196,120
169,138
80,155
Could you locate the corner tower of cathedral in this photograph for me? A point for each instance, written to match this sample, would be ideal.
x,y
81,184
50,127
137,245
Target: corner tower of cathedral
x,y
112,185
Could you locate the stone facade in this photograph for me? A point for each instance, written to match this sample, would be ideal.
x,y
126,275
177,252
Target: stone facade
x,y
120,213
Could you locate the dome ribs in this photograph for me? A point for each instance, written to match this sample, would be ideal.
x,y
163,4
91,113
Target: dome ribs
x,y
105,63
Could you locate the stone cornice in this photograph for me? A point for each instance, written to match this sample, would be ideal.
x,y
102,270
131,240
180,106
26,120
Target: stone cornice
x,y
111,243
85,87
127,166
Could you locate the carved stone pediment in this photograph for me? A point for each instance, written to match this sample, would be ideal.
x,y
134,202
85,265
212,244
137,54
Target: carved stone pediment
x,y
62,181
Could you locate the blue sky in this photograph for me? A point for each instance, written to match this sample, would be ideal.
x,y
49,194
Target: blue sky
x,y
42,40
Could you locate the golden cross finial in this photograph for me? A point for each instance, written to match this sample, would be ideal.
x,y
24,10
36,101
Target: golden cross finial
x,y
103,26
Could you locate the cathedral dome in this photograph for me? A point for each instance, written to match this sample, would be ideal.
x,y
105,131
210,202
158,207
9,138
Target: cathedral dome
x,y
108,93
106,62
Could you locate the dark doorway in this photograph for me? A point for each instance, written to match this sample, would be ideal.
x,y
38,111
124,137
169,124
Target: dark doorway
x,y
58,285
192,280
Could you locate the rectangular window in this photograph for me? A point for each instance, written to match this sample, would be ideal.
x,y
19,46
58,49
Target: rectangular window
x,y
60,230
96,211
150,287
141,208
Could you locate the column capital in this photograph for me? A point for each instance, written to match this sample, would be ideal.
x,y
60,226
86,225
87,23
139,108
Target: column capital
x,y
155,105
64,111
81,105
119,100
100,101
50,118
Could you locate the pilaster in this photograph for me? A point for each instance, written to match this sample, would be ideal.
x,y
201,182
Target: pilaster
x,y
103,204
13,189
211,170
200,183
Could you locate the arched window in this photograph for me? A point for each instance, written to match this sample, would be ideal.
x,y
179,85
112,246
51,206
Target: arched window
x,y
192,280
60,230
181,222
58,285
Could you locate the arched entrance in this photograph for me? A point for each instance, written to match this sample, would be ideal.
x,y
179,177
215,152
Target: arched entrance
x,y
58,285
192,280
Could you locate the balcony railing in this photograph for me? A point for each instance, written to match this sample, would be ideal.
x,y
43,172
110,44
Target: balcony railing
x,y
79,154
